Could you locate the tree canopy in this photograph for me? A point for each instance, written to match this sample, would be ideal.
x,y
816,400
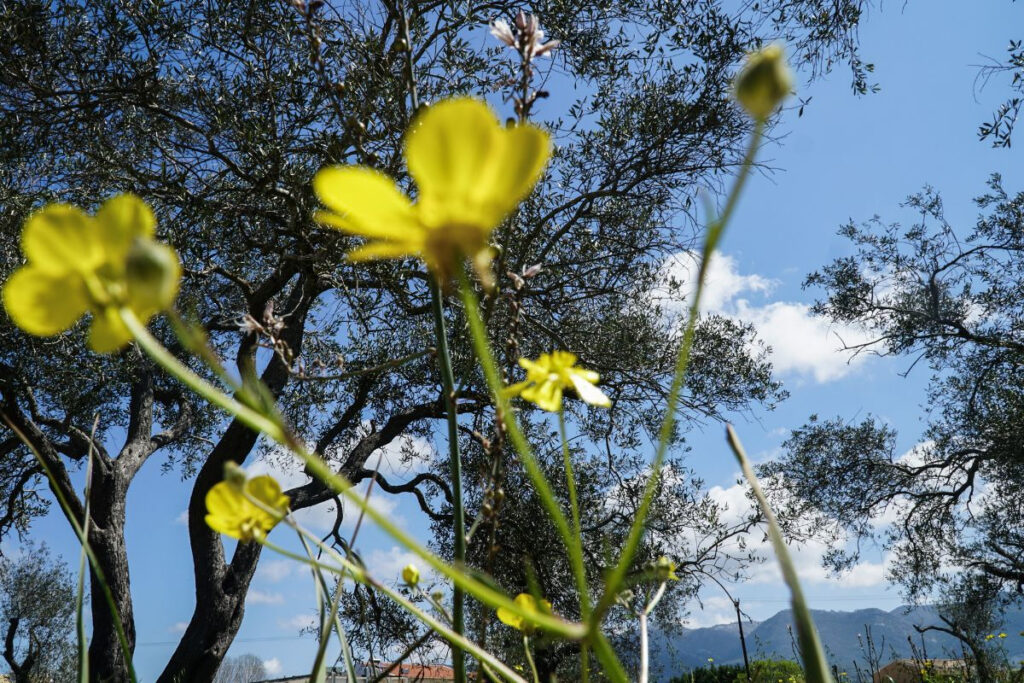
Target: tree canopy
x,y
219,114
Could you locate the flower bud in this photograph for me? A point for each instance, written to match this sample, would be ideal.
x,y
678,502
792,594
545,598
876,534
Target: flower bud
x,y
763,82
152,273
411,575
234,475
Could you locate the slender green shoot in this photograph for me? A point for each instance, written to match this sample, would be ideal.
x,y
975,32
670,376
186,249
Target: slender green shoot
x,y
713,236
444,359
815,665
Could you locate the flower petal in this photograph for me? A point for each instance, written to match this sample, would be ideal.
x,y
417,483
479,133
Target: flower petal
x,y
60,239
43,304
373,251
368,202
450,147
108,333
588,392
120,220
265,489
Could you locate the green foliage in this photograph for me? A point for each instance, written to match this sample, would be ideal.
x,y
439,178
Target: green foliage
x,y
711,674
37,608
773,671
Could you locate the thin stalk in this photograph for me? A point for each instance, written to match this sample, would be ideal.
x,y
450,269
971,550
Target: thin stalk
x,y
444,359
340,484
644,645
574,508
714,234
815,665
540,483
529,658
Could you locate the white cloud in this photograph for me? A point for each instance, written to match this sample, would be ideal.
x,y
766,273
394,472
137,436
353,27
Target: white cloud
x,y
807,557
711,611
299,622
261,598
182,518
275,571
178,627
288,472
272,666
802,345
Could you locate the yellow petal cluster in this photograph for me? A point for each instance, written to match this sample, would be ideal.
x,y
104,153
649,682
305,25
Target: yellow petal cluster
x,y
549,376
528,603
78,264
470,173
230,510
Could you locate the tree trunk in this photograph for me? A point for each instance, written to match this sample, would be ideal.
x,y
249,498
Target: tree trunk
x,y
106,538
220,587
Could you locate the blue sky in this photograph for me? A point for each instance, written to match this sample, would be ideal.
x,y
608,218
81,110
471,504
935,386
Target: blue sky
x,y
846,158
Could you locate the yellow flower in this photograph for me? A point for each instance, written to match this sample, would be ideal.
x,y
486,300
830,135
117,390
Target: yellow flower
x,y
411,575
665,569
1002,635
470,173
763,82
528,603
230,512
549,376
81,264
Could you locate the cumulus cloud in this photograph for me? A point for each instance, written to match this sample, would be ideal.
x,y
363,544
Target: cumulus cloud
x,y
275,571
182,518
711,611
272,666
178,627
256,597
802,345
299,622
807,557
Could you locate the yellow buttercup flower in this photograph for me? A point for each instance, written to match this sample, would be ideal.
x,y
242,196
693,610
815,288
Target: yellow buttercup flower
x,y
528,603
81,264
230,512
470,173
549,376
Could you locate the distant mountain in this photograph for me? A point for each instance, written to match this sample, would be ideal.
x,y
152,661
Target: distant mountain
x,y
842,633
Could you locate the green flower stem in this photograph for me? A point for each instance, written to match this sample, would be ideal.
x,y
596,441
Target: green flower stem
x,y
574,507
613,668
529,658
455,470
644,645
359,574
714,234
322,590
340,484
815,665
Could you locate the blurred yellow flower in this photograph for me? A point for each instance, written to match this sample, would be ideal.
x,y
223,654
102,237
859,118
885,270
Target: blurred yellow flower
x,y
230,512
81,264
470,173
549,376
411,575
528,603
665,569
